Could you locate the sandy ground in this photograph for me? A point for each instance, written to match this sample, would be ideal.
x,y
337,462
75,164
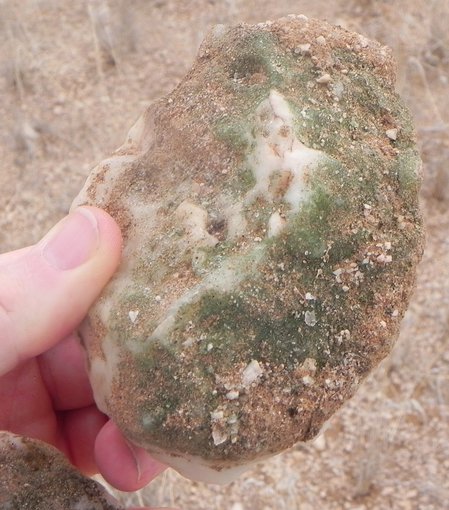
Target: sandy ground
x,y
73,78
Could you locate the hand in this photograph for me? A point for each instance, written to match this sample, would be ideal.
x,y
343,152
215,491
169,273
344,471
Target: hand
x,y
45,292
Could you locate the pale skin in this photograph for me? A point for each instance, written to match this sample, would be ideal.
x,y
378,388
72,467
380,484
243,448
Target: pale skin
x,y
45,292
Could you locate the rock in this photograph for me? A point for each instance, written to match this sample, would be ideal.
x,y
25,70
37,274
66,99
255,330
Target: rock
x,y
37,476
244,192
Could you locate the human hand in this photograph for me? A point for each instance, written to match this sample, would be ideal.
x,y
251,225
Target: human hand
x,y
45,292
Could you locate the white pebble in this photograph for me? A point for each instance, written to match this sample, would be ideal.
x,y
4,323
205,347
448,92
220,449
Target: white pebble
x,y
303,49
219,436
251,373
216,415
132,314
324,78
308,380
310,318
392,134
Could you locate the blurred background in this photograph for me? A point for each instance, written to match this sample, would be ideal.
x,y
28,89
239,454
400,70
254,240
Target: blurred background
x,y
74,76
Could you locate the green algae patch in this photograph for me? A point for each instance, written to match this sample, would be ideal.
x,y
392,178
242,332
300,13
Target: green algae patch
x,y
407,172
233,134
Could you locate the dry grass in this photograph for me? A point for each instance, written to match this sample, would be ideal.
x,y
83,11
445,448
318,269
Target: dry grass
x,y
73,77
112,32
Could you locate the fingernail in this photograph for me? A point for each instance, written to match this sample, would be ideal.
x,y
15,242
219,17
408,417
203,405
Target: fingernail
x,y
147,467
73,241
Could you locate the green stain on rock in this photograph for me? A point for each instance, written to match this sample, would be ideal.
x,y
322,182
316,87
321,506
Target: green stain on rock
x,y
258,59
407,173
310,233
236,333
234,135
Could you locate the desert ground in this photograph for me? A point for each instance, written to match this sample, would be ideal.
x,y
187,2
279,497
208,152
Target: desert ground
x,y
74,76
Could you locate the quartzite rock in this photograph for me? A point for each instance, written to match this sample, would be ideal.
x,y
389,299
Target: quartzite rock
x,y
270,211
36,476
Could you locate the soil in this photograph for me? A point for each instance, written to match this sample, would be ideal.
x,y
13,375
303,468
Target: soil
x,y
74,76
37,476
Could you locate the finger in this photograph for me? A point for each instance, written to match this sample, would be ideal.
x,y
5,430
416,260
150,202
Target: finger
x,y
124,466
81,427
46,290
25,407
63,370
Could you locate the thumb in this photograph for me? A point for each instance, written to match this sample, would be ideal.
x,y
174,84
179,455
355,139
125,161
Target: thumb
x,y
47,289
